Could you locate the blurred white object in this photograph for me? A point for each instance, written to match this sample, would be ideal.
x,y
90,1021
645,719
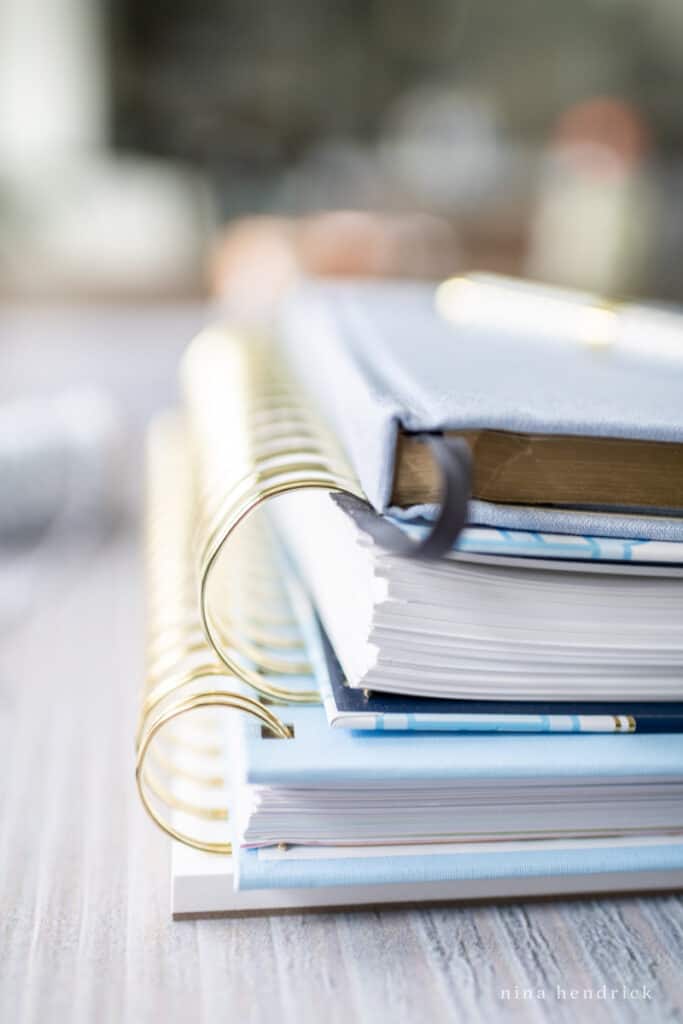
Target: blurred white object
x,y
53,92
447,149
445,143
595,222
592,231
106,227
561,315
75,220
60,462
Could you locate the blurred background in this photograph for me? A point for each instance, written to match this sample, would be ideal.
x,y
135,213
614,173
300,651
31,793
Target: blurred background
x,y
539,138
156,156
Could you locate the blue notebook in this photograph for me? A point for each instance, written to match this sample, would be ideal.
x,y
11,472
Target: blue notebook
x,y
320,756
381,360
349,708
556,804
610,860
569,546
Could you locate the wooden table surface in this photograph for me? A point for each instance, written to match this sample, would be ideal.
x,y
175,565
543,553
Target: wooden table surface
x,y
85,926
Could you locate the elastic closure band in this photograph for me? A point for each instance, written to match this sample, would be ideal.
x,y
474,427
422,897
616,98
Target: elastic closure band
x,y
454,459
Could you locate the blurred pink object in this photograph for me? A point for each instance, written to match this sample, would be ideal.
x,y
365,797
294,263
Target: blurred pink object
x,y
258,258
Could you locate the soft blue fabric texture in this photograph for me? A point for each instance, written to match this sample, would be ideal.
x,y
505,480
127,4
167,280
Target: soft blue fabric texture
x,y
563,521
378,356
290,873
563,546
318,755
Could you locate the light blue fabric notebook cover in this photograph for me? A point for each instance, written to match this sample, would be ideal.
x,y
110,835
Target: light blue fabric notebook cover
x,y
516,543
255,870
378,357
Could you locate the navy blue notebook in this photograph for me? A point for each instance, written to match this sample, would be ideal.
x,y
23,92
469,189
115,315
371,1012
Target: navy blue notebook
x,y
356,709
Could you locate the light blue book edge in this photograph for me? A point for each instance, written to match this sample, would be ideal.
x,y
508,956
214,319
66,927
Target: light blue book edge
x,y
573,545
257,872
320,756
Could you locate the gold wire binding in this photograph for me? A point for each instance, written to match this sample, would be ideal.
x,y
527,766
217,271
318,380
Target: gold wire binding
x,y
286,665
208,699
184,677
170,767
193,745
177,803
273,638
253,439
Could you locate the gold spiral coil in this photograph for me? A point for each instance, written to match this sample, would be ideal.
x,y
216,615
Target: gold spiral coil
x,y
253,438
183,674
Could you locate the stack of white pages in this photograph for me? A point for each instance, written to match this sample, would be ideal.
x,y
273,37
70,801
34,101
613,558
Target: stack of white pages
x,y
491,626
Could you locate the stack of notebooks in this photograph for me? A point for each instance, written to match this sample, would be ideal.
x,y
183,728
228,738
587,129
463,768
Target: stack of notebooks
x,y
415,595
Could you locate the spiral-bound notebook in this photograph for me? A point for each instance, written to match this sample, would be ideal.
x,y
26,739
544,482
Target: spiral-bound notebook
x,y
225,632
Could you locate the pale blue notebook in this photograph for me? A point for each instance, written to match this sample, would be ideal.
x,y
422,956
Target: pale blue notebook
x,y
304,868
320,756
328,788
379,358
563,547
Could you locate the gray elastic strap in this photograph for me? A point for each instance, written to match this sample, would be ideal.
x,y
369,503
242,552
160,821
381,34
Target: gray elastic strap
x,y
454,459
